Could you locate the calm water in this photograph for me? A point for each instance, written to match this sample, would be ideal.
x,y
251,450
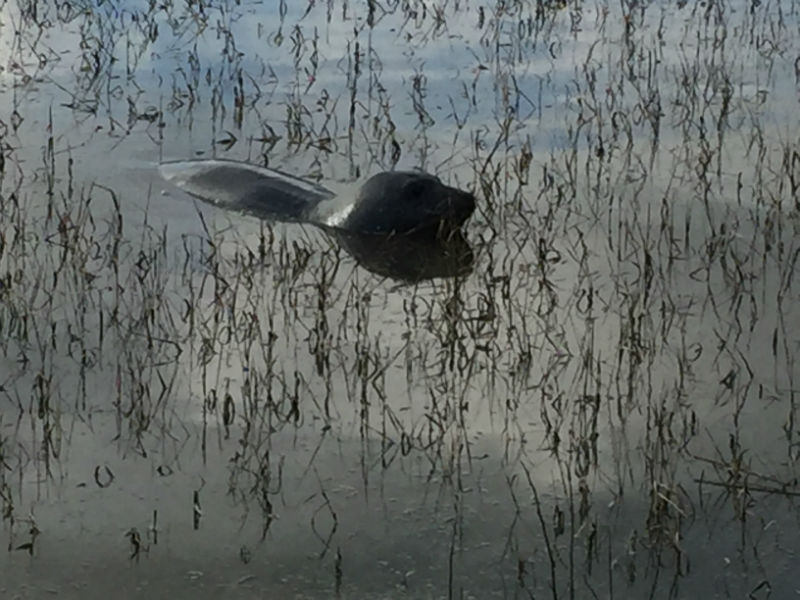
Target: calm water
x,y
604,407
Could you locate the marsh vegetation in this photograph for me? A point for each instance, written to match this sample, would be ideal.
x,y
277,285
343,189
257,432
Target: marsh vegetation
x,y
202,404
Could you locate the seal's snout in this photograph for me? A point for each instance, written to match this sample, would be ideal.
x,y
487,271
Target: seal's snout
x,y
458,206
466,203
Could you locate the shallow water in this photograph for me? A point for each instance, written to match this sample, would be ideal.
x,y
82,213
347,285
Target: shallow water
x,y
604,407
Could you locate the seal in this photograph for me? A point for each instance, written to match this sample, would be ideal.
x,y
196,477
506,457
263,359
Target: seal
x,y
388,203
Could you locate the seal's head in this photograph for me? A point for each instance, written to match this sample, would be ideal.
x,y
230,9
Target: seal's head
x,y
408,202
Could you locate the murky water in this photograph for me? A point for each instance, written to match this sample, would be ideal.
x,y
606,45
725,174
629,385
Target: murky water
x,y
195,403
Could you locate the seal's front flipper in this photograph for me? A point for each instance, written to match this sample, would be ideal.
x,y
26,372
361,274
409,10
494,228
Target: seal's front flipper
x,y
245,188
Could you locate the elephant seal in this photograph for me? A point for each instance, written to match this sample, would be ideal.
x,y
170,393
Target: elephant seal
x,y
392,202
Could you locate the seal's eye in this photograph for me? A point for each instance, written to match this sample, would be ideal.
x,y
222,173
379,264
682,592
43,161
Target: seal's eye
x,y
416,188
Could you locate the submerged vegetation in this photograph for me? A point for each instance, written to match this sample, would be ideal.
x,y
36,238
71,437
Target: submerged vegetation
x,y
603,407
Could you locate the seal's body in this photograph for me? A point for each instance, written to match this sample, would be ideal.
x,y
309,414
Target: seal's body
x,y
393,202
